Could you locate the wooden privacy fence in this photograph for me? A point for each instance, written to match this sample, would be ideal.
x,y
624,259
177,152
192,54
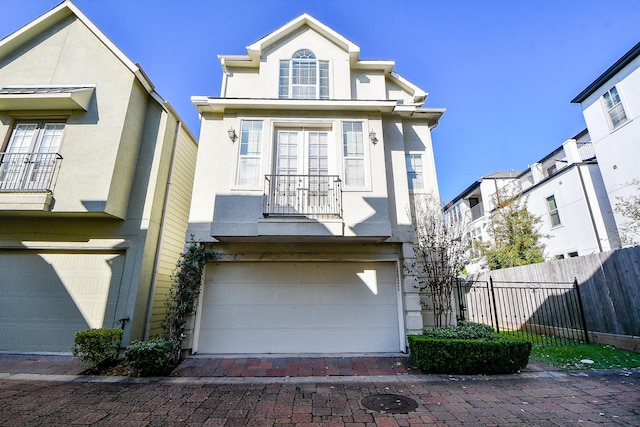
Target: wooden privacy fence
x,y
609,285
547,313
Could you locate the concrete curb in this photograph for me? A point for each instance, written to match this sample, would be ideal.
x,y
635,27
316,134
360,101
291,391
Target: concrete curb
x,y
280,380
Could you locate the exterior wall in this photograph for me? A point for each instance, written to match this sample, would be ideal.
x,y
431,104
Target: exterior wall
x,y
617,149
375,221
104,144
265,83
111,199
582,229
174,226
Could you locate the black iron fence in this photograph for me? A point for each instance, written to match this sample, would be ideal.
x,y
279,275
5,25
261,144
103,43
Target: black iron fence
x,y
547,313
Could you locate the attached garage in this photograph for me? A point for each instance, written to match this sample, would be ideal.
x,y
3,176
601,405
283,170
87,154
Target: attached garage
x,y
48,296
299,307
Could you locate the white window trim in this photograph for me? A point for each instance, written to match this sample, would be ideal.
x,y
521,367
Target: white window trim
x,y
263,145
366,157
422,190
317,85
546,204
612,126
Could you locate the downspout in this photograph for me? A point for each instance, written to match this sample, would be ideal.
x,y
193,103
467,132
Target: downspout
x,y
586,198
154,274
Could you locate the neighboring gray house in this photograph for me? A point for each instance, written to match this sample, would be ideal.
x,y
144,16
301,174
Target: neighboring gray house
x,y
96,172
318,155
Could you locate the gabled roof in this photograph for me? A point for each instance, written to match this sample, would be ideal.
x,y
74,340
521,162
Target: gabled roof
x,y
610,72
59,13
254,52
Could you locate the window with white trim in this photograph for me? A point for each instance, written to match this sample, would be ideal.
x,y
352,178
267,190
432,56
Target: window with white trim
x,y
250,152
614,107
304,77
353,153
415,172
552,207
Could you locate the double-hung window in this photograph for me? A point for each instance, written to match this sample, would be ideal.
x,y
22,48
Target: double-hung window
x,y
250,151
29,160
353,153
304,77
552,207
614,107
415,172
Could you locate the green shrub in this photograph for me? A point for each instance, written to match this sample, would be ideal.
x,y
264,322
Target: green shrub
x,y
464,331
469,356
97,346
150,358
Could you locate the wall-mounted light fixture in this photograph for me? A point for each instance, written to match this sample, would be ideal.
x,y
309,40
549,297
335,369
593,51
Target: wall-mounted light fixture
x,y
232,134
372,136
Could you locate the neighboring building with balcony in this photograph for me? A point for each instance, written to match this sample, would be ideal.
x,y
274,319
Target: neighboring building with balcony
x,y
611,108
307,166
564,189
471,209
96,172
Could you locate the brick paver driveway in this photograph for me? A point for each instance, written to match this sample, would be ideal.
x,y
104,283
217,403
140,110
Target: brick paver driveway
x,y
535,399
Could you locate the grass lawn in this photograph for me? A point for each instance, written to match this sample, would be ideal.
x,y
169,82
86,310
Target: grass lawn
x,y
575,355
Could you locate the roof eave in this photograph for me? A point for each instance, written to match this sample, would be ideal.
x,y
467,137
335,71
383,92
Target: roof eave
x,y
608,74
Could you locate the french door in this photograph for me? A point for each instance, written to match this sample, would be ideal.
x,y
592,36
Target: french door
x,y
29,160
302,184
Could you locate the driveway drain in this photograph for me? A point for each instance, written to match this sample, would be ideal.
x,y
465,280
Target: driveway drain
x,y
389,403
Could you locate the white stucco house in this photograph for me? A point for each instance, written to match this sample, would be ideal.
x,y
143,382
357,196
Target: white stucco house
x,y
307,165
611,109
565,189
96,172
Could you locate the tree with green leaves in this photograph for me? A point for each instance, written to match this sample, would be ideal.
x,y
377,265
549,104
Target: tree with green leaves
x,y
516,239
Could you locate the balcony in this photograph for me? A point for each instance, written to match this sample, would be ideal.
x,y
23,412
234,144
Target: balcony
x,y
586,151
477,211
27,180
303,195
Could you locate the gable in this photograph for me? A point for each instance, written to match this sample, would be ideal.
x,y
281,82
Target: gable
x,y
256,75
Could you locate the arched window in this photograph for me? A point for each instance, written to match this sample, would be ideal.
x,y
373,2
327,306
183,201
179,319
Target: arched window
x,y
304,77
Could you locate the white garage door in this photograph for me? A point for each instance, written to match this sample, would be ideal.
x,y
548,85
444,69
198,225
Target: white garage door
x,y
47,297
299,307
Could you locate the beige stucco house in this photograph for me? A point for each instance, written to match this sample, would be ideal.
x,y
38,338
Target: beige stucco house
x,y
307,167
96,172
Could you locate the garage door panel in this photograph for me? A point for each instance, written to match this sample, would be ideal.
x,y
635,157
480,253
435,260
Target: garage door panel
x,y
299,308
294,340
48,296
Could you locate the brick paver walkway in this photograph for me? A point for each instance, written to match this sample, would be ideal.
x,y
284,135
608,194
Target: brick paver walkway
x,y
294,366
532,398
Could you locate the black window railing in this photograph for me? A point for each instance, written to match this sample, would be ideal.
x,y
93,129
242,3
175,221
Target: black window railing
x,y
303,195
28,171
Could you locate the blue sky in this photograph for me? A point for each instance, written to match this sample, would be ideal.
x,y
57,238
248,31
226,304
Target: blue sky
x,y
506,70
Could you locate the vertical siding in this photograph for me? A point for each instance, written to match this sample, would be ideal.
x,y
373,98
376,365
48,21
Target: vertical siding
x,y
174,226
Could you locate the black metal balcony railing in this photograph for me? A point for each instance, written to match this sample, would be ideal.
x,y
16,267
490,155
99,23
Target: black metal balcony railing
x,y
302,195
28,171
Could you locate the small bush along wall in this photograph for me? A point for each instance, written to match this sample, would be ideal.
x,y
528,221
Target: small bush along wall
x,y
97,346
469,356
150,358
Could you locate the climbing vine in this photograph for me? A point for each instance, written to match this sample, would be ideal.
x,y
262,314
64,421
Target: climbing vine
x,y
181,303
